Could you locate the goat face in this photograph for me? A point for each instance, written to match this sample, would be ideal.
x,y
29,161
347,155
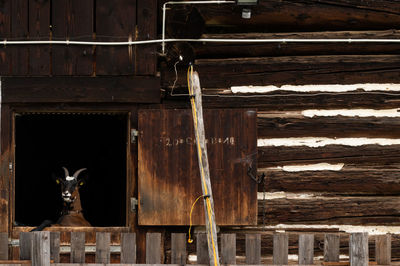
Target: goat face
x,y
69,185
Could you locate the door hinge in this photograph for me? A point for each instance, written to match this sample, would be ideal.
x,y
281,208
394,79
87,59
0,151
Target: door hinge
x,y
10,166
134,134
134,204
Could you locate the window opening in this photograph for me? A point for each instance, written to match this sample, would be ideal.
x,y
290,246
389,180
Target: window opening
x,y
47,142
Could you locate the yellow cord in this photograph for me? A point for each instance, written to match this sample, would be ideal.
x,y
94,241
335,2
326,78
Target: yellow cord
x,y
208,202
190,240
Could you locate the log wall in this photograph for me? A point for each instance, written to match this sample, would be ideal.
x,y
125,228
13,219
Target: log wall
x,y
330,171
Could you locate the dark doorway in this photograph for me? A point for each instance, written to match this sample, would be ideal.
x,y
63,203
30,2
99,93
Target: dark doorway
x,y
47,142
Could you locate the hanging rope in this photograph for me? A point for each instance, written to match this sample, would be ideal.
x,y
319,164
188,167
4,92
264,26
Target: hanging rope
x,y
190,240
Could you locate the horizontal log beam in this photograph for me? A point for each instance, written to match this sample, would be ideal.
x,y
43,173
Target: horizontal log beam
x,y
367,154
281,16
331,210
356,181
333,127
80,89
282,101
293,70
229,50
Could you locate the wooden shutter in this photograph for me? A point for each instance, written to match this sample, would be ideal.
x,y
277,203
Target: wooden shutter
x,y
169,179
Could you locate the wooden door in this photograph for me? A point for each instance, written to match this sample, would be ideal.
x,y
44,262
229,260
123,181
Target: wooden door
x,y
169,180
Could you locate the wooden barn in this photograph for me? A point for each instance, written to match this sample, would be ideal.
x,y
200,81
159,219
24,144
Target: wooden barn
x,y
301,104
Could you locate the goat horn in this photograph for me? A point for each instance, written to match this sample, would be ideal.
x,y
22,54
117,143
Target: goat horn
x,y
66,171
78,172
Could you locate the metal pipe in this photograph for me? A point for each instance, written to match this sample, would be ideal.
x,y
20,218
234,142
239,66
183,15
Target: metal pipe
x,y
182,3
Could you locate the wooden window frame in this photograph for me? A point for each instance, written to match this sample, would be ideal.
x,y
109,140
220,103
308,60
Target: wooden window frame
x,y
130,173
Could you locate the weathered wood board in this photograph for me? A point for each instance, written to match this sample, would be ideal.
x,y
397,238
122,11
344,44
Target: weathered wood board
x,y
116,21
80,89
72,20
169,180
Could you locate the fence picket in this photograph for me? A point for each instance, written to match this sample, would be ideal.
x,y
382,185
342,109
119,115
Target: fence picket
x,y
228,248
102,247
331,247
253,249
25,245
128,248
202,249
358,249
280,249
306,249
178,249
153,248
383,252
55,246
77,247
40,249
3,246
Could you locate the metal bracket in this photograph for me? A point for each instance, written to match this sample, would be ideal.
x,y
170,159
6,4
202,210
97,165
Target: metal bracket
x,y
134,203
257,179
134,134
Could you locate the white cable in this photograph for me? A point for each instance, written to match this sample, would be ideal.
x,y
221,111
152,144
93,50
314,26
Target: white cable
x,y
67,42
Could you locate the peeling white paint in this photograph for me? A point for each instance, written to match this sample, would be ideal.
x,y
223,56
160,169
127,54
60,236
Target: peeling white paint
x,y
318,88
320,142
294,257
352,113
309,167
341,257
192,258
370,229
286,195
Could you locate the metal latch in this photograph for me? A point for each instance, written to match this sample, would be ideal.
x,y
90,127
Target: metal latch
x,y
134,134
134,203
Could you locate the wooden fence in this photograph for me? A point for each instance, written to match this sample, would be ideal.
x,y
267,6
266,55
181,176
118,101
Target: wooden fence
x,y
43,248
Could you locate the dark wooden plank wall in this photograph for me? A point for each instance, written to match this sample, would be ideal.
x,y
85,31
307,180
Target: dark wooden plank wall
x,y
146,56
116,18
77,21
39,28
19,31
73,20
5,31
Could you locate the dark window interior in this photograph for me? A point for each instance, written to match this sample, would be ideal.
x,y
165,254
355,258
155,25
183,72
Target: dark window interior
x,y
47,142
